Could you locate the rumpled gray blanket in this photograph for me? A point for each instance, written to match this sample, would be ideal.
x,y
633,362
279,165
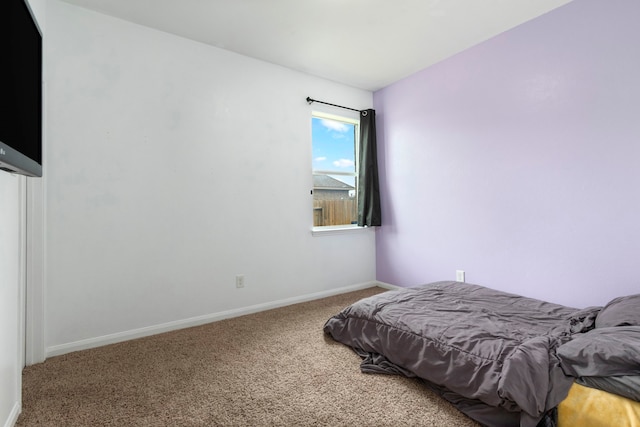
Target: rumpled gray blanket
x,y
490,353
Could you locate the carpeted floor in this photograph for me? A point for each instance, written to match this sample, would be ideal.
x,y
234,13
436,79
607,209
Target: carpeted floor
x,y
274,368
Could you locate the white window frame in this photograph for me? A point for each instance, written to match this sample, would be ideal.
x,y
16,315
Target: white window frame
x,y
346,228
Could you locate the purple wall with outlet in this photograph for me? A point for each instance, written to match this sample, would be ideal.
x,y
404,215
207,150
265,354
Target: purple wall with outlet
x,y
518,161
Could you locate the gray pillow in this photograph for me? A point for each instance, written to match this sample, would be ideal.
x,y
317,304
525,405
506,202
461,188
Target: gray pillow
x,y
602,352
621,311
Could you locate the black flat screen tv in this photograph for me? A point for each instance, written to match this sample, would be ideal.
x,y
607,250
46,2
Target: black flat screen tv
x,y
20,89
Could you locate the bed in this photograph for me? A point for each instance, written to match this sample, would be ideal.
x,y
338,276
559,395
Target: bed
x,y
500,358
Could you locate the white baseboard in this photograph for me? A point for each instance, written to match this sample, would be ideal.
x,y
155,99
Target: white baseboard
x,y
13,415
388,286
85,344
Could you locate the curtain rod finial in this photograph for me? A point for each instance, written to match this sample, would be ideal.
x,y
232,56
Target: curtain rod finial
x,y
309,100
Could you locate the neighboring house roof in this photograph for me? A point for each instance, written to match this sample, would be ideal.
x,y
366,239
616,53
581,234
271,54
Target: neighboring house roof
x,y
325,182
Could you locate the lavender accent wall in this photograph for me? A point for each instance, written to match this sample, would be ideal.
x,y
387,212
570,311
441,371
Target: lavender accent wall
x,y
518,161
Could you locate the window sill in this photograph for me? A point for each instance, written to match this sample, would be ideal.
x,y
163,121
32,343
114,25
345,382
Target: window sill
x,y
339,229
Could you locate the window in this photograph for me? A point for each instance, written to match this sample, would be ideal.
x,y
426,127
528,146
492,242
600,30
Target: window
x,y
335,170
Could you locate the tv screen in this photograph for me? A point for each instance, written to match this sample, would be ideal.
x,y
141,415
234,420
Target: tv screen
x,y
20,89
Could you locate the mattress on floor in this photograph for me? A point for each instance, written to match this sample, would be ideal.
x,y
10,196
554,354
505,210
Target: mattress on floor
x,y
590,407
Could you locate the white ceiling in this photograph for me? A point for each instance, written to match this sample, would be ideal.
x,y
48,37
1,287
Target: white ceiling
x,y
366,44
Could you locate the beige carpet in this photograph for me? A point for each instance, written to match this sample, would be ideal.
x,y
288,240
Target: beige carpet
x,y
274,368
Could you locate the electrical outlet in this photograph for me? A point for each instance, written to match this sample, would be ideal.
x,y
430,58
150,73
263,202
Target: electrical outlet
x,y
240,281
459,275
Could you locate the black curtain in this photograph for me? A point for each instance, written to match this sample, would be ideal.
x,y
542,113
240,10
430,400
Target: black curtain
x,y
368,186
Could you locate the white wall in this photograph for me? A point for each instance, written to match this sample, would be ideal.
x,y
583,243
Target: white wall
x,y
172,167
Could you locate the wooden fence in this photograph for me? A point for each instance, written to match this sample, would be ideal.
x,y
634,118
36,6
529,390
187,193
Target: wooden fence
x,y
334,212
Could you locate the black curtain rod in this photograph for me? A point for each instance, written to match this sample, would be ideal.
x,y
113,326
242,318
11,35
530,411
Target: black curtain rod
x,y
309,101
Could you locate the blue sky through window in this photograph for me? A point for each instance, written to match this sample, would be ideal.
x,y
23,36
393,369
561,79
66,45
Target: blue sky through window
x,y
333,147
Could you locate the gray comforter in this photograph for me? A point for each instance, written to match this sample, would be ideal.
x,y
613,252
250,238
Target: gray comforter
x,y
490,353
